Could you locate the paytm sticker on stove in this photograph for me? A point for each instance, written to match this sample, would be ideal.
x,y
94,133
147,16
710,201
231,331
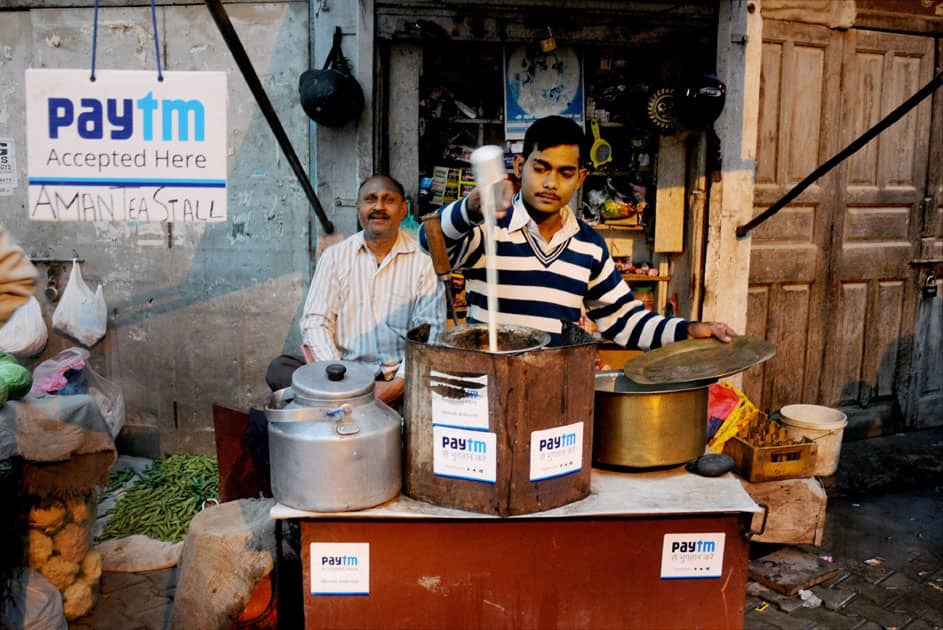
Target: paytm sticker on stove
x,y
464,454
557,451
126,147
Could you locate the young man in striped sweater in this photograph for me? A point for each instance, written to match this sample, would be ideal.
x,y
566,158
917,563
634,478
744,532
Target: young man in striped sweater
x,y
550,263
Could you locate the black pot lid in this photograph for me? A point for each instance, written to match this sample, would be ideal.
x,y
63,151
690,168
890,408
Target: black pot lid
x,y
332,381
698,360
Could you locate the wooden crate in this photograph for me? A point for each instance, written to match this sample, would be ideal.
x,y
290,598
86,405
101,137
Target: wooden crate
x,y
796,510
768,463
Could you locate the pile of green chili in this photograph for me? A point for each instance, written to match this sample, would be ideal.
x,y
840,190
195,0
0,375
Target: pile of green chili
x,y
164,498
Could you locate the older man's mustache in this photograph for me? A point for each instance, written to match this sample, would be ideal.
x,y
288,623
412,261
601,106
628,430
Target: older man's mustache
x,y
378,215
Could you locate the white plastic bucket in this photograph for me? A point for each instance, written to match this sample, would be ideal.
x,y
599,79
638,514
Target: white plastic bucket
x,y
823,425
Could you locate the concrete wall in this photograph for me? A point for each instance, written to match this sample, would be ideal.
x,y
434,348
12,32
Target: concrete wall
x,y
343,157
195,311
727,263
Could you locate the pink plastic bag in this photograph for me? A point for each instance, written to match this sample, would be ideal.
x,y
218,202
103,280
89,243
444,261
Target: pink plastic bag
x,y
50,377
721,400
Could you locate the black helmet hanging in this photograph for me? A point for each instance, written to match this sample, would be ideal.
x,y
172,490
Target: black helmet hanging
x,y
700,101
331,96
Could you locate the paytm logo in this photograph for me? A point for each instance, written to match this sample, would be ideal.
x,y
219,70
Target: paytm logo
x,y
338,561
464,444
693,546
559,441
119,116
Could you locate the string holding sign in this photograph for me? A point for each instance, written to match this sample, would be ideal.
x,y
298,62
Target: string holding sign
x,y
94,39
160,74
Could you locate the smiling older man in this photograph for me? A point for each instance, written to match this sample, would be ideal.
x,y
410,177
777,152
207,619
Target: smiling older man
x,y
368,291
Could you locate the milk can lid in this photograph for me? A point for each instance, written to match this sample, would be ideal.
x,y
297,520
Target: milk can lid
x,y
332,381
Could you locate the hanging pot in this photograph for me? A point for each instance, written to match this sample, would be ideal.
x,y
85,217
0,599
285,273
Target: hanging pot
x,y
331,96
701,101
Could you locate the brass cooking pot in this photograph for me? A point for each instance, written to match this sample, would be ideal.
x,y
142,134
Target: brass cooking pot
x,y
642,426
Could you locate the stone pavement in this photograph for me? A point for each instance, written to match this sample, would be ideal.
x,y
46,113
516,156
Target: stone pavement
x,y
889,549
884,530
132,601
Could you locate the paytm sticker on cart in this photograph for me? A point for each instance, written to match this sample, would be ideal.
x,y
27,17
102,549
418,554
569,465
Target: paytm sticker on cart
x,y
464,454
126,147
556,452
699,555
340,568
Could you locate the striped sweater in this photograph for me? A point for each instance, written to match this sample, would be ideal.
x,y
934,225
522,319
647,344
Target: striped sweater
x,y
540,286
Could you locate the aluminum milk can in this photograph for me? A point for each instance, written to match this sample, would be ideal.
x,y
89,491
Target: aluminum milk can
x,y
332,446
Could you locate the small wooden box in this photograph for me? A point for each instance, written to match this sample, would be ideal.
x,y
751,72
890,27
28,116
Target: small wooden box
x,y
768,463
796,510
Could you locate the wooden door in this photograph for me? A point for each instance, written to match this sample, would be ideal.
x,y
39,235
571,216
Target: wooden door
x,y
831,281
874,293
798,130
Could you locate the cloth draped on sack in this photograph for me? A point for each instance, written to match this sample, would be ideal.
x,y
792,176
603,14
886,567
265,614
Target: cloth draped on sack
x,y
17,276
52,428
137,552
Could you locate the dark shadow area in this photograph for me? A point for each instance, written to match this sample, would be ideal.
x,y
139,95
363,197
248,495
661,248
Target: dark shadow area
x,y
13,531
892,463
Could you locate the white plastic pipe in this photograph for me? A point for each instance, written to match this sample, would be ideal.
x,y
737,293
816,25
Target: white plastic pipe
x,y
488,167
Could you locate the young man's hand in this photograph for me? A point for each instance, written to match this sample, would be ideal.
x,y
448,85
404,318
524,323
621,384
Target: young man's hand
x,y
700,330
502,200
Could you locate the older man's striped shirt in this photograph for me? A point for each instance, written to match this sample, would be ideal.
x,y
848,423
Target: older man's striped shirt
x,y
357,310
544,284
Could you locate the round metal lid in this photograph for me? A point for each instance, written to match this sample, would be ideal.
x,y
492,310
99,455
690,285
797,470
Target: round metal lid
x,y
332,380
698,360
615,382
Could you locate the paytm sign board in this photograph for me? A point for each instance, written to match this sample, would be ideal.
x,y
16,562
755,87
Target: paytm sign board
x,y
126,147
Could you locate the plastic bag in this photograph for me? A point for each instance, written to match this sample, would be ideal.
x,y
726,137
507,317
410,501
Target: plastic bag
x,y
721,400
50,376
81,314
69,372
109,397
743,413
33,603
24,334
